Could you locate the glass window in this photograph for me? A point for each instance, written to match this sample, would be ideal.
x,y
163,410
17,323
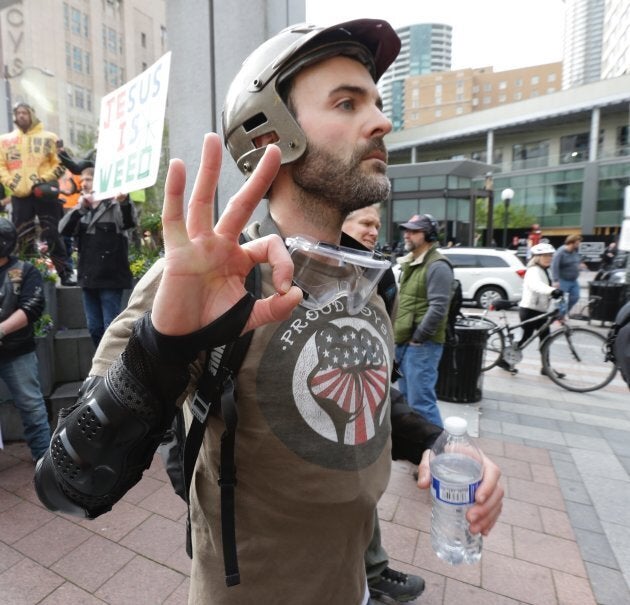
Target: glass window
x,y
551,78
502,85
574,148
535,80
438,113
79,98
518,96
403,210
551,90
463,260
143,40
70,95
518,82
459,110
86,26
66,16
75,21
502,98
87,59
475,88
622,146
530,155
88,100
77,59
486,100
432,182
491,261
435,207
112,40
68,55
487,87
405,184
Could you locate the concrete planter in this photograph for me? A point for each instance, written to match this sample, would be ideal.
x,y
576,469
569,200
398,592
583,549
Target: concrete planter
x,y
46,360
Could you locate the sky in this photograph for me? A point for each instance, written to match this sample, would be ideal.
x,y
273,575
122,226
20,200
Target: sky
x,y
505,34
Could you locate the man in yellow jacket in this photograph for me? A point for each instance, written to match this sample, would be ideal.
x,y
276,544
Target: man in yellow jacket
x,y
29,168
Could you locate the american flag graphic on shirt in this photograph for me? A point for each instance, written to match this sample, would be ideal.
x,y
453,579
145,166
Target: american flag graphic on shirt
x,y
350,380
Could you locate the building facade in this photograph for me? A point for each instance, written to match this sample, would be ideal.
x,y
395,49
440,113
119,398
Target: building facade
x,y
441,96
64,56
616,46
425,48
565,155
583,40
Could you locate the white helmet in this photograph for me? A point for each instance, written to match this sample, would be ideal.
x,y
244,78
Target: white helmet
x,y
254,105
542,248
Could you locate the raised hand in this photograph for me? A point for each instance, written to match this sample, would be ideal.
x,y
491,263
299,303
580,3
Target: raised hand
x,y
206,267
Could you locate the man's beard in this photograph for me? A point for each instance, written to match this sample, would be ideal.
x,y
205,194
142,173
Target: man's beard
x,y
343,184
410,246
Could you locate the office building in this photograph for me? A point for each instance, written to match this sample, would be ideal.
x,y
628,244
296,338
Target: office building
x,y
616,43
64,56
583,39
441,96
425,48
566,156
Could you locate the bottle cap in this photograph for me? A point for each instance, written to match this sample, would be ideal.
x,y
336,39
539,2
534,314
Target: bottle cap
x,y
456,425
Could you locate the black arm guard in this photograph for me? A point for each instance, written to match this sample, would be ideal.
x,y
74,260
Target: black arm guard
x,y
104,442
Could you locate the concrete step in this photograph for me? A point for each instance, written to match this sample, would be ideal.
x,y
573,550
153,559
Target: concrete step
x,y
63,396
70,313
74,350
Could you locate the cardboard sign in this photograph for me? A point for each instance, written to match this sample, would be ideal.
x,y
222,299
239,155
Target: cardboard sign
x,y
130,132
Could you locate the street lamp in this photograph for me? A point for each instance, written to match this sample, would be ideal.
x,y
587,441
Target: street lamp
x,y
7,86
489,187
506,196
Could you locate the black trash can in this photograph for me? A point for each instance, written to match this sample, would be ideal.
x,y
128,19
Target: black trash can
x,y
459,372
608,299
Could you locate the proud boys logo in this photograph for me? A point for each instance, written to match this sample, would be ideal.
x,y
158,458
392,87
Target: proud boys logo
x,y
338,389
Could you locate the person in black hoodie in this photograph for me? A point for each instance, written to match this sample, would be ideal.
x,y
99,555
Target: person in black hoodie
x,y
21,305
103,268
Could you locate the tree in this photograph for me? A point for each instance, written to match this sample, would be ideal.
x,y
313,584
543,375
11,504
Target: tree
x,y
518,215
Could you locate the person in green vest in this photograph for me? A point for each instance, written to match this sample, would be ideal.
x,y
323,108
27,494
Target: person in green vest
x,y
420,323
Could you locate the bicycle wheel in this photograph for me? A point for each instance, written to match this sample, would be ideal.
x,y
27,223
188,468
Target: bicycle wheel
x,y
575,359
494,347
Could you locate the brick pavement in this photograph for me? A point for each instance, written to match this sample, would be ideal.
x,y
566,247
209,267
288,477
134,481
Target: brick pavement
x,y
562,539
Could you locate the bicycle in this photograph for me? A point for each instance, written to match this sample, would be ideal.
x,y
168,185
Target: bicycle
x,y
575,358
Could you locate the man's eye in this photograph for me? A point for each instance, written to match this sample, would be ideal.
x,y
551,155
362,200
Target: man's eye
x,y
347,105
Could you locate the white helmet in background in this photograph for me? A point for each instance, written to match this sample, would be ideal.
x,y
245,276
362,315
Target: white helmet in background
x,y
542,248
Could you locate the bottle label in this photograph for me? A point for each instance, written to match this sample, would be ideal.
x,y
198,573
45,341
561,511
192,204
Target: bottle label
x,y
454,494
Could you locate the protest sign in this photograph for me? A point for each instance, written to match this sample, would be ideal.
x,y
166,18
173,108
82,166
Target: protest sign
x,y
130,132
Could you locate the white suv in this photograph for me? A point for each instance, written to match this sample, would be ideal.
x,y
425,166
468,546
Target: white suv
x,y
487,274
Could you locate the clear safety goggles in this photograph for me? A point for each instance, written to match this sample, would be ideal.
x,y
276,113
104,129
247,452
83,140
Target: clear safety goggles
x,y
325,272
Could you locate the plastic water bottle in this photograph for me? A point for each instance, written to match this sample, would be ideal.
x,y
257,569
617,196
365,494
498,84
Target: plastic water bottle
x,y
456,469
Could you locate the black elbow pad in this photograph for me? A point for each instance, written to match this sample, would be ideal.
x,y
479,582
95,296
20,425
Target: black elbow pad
x,y
102,445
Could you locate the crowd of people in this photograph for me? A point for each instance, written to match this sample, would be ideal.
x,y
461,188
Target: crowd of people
x,y
312,464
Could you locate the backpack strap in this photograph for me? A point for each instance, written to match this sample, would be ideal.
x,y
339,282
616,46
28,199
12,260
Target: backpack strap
x,y
216,393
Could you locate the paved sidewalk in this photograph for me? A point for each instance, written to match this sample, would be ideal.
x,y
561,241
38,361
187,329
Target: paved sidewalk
x,y
563,537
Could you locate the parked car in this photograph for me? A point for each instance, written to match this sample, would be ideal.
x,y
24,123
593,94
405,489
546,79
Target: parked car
x,y
487,274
